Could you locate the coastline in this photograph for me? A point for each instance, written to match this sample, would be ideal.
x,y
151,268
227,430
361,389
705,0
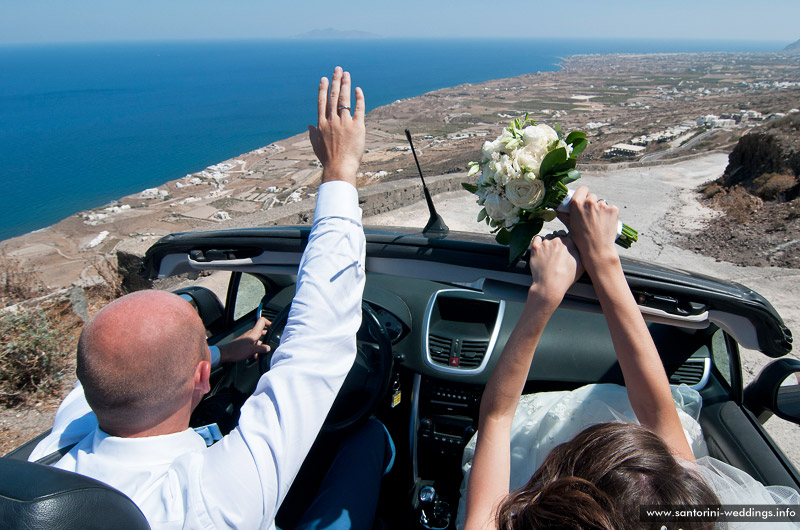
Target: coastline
x,y
449,126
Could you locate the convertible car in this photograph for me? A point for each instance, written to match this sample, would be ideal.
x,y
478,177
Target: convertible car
x,y
437,314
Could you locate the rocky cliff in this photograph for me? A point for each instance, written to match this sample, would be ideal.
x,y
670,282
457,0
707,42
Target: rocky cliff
x,y
766,162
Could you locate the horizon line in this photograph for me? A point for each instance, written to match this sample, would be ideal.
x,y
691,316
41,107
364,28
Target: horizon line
x,y
306,38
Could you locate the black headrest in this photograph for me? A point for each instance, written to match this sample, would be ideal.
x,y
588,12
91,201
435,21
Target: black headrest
x,y
37,496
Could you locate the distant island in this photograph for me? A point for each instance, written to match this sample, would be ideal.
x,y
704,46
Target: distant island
x,y
793,47
330,33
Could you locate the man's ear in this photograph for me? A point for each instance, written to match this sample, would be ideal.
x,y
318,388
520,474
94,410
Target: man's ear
x,y
202,374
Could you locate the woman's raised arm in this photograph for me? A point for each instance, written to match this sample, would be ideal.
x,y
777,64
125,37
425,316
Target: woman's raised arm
x,y
554,267
593,227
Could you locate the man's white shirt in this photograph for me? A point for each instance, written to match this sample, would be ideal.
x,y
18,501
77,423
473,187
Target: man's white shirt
x,y
241,480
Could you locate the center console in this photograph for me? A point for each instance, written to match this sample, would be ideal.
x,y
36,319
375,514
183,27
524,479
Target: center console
x,y
448,415
445,417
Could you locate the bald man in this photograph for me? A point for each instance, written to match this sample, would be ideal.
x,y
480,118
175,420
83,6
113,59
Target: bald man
x,y
144,378
144,365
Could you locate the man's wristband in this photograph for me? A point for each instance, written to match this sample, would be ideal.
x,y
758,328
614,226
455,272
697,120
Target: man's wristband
x,y
214,356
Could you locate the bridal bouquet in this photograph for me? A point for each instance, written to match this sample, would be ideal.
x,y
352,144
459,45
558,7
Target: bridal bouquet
x,y
524,173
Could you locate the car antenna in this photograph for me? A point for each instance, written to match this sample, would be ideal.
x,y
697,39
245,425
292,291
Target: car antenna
x,y
436,226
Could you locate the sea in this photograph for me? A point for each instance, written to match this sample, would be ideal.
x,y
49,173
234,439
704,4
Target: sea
x,y
84,124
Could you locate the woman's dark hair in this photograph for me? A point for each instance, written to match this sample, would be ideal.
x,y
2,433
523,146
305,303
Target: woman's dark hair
x,y
600,478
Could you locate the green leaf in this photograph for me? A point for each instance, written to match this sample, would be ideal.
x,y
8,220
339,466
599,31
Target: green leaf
x,y
572,176
565,167
551,160
575,135
503,236
559,132
520,238
555,195
472,188
482,215
578,147
546,215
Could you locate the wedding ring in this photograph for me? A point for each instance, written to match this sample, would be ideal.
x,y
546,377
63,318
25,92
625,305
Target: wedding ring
x,y
340,107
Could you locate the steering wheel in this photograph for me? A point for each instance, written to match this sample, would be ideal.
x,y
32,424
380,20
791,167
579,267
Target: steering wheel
x,y
369,378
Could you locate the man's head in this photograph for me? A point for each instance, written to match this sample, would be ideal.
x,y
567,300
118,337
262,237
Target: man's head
x,y
143,362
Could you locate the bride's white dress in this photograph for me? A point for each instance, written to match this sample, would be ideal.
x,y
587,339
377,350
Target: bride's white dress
x,y
547,419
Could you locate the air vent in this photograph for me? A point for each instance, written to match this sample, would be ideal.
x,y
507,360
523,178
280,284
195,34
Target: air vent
x,y
691,373
269,313
461,328
472,352
439,348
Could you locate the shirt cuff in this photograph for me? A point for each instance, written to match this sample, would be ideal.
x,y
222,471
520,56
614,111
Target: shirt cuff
x,y
337,199
214,356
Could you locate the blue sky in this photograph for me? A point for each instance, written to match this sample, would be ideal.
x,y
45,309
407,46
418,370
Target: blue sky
x,y
40,21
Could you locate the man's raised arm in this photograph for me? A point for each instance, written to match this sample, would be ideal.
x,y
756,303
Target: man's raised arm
x,y
280,422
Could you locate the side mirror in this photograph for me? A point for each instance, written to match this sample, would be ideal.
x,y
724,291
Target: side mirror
x,y
776,390
207,305
788,398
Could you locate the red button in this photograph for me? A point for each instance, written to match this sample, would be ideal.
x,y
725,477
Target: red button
x,y
453,361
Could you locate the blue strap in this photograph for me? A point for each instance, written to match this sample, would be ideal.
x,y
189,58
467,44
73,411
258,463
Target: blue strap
x,y
210,433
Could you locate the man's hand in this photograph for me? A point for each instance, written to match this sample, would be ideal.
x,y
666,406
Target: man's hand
x,y
338,139
555,266
246,345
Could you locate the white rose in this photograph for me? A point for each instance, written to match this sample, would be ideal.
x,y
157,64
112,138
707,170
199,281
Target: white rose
x,y
489,148
527,194
538,137
499,208
530,159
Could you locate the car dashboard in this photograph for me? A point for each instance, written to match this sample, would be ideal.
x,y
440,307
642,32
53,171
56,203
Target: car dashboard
x,y
448,306
446,339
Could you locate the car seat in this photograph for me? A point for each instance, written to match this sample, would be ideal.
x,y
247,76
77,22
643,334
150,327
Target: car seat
x,y
38,496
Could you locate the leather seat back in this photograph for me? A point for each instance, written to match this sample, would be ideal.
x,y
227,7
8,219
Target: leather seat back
x,y
38,496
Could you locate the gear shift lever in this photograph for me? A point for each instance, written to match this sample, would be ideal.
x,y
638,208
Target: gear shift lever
x,y
434,513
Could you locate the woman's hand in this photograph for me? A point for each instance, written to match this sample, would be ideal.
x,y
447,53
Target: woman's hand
x,y
555,266
593,225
